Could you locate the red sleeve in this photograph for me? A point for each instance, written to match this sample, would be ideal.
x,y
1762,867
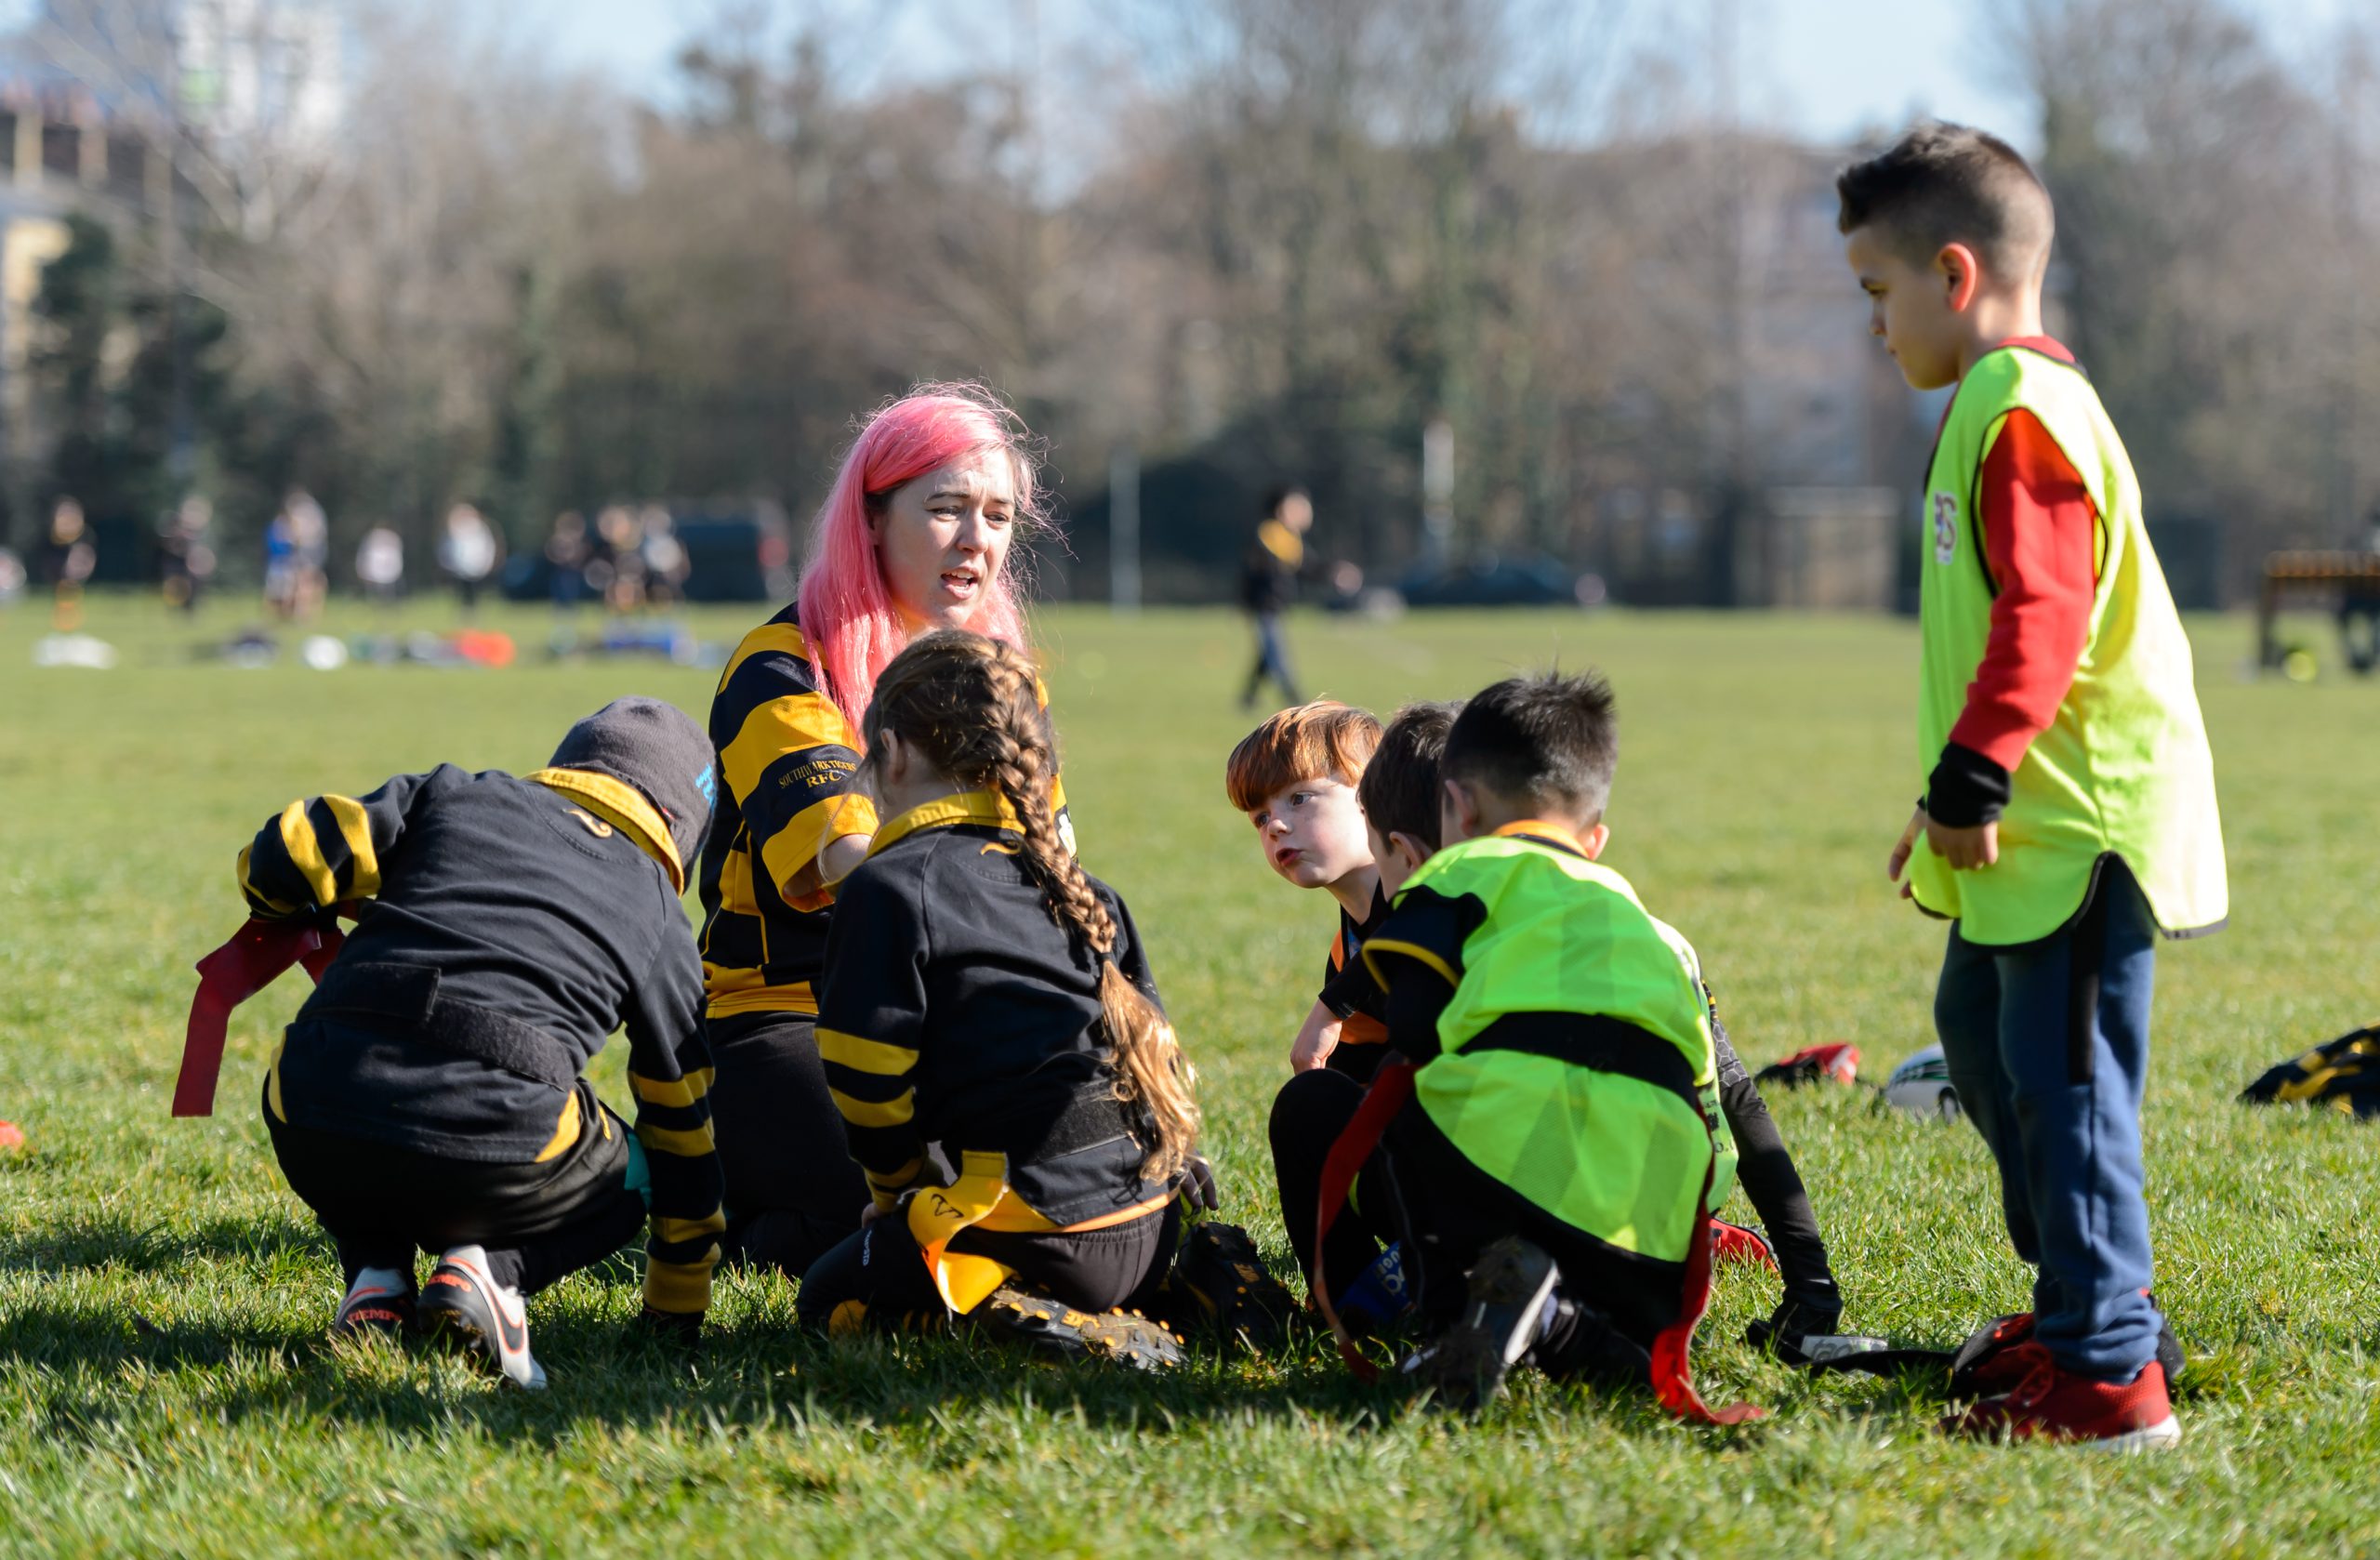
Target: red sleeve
x,y
2040,543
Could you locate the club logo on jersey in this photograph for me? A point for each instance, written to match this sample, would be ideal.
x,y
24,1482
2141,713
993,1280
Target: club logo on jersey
x,y
1946,527
595,826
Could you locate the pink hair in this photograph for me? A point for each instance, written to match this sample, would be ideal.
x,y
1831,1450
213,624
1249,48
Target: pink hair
x,y
845,607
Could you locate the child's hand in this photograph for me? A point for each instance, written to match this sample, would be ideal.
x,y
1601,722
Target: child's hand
x,y
1317,1038
1964,849
1199,1183
1900,857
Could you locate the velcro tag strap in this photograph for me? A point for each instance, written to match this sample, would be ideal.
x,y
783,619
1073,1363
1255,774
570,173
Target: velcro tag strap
x,y
937,1213
257,953
403,1000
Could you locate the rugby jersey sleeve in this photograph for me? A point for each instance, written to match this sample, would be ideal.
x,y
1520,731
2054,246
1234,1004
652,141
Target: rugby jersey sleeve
x,y
871,1022
1416,958
669,1072
326,850
788,756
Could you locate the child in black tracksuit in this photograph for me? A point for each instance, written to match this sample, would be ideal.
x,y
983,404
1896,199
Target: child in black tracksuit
x,y
1400,791
990,1034
428,1095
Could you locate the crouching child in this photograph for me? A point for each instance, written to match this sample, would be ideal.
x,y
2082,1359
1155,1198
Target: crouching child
x,y
991,1035
429,1095
1564,1145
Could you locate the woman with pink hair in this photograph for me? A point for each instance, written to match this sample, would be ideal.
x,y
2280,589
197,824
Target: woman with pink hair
x,y
912,537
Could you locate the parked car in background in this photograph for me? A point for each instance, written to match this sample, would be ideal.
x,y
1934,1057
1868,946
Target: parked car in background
x,y
1494,580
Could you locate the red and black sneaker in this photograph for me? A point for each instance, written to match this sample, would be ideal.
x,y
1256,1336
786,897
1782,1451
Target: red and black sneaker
x,y
464,1304
380,1303
2055,1404
1982,1367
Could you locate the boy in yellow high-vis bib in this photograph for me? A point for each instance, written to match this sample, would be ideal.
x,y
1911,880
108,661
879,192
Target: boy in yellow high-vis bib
x,y
2068,814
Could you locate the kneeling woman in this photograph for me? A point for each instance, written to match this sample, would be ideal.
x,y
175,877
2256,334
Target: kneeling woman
x,y
984,995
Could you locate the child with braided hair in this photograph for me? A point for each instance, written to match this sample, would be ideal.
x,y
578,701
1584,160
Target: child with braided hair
x,y
987,1006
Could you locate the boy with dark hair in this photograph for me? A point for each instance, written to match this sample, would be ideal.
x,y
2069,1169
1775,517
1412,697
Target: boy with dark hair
x,y
2068,813
429,1093
1563,1143
1295,777
1401,794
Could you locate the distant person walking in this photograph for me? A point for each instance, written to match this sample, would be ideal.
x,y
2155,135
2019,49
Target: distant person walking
x,y
1269,583
468,553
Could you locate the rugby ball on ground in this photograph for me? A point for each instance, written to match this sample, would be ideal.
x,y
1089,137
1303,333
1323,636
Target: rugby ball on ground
x,y
1921,1086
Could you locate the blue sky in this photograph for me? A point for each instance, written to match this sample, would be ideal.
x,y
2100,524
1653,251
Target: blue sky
x,y
1824,68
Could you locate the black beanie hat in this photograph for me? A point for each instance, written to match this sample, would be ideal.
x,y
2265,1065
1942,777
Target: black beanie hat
x,y
655,747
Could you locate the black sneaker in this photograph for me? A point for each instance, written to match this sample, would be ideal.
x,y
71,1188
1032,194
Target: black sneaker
x,y
378,1304
1219,1272
1500,1319
466,1306
1117,1337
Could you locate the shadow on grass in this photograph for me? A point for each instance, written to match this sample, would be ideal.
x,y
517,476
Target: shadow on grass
x,y
88,1367
123,1242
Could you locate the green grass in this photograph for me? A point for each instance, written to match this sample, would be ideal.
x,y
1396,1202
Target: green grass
x,y
164,1387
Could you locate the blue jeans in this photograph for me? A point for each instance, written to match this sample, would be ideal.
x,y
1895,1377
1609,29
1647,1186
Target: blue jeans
x,y
2048,1048
1271,660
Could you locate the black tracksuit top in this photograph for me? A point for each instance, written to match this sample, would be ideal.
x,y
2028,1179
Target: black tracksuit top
x,y
529,901
956,1011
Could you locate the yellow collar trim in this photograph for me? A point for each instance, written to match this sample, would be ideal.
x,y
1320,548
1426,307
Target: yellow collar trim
x,y
1545,831
967,807
624,807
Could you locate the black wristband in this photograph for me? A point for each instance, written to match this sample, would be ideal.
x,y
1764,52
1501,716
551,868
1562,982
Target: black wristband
x,y
1965,788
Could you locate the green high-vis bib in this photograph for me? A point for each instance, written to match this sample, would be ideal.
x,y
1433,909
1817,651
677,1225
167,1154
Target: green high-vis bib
x,y
1617,1157
2124,770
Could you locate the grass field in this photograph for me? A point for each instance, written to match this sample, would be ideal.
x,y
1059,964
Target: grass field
x,y
165,1386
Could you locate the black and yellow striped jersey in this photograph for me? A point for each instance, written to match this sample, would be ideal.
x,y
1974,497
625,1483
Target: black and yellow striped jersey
x,y
544,909
790,758
956,1011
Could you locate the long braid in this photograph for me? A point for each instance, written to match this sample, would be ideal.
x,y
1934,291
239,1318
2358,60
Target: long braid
x,y
972,707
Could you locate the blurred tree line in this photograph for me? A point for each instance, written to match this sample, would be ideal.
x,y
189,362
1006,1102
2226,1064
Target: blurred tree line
x,y
1251,239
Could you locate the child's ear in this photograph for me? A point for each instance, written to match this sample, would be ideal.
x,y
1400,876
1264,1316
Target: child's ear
x,y
1596,838
891,756
1457,811
1410,853
1961,275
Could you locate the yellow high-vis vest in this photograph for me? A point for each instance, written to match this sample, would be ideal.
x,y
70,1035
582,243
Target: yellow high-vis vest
x,y
1576,1063
2124,770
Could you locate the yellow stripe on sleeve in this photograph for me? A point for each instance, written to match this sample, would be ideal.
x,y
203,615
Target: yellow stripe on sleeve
x,y
677,1232
785,724
679,1091
363,872
864,1056
898,1179
305,854
250,891
1414,951
791,849
680,1286
893,1112
688,1143
782,638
